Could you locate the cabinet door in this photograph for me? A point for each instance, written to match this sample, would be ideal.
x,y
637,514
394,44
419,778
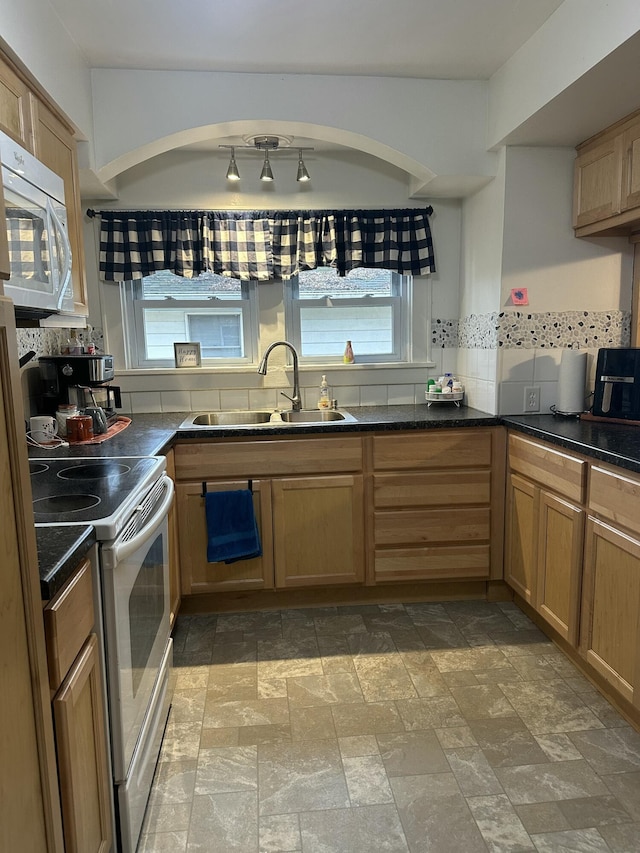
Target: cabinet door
x,y
559,570
82,758
597,181
610,632
174,555
318,530
56,147
15,107
199,576
631,168
522,540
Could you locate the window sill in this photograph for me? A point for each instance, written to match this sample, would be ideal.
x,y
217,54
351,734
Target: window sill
x,y
303,368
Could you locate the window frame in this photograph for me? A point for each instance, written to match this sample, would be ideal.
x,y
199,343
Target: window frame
x,y
401,327
133,307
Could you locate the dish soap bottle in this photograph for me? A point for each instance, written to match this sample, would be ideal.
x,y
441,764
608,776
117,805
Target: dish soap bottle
x,y
348,357
324,402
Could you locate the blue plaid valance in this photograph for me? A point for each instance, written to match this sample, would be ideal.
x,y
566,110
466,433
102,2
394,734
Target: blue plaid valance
x,y
263,245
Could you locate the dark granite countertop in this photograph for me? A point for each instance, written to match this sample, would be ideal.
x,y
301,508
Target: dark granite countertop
x,y
60,549
616,444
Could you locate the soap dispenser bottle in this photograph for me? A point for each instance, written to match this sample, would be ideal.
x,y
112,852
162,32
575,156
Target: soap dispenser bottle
x,y
323,401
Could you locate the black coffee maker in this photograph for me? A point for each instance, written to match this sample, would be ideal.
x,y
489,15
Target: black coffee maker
x,y
83,380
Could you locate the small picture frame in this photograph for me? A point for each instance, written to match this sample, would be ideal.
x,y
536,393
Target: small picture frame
x,y
187,354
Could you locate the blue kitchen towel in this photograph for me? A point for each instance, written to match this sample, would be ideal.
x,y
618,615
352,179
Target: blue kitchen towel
x,y
232,531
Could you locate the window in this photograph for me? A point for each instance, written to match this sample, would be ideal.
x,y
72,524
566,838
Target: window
x,y
369,307
217,311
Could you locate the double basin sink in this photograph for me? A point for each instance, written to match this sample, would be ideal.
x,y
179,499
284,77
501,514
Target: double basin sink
x,y
210,420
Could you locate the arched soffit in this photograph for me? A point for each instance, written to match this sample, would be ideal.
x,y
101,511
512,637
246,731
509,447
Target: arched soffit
x,y
419,173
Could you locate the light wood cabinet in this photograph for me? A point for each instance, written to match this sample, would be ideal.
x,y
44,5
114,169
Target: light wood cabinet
x,y
521,546
606,198
318,530
82,757
308,499
174,550
56,148
545,529
438,505
197,574
76,678
16,106
610,635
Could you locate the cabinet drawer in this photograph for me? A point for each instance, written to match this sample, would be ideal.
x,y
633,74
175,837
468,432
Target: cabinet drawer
x,y
454,488
452,526
551,468
438,563
268,458
68,620
615,497
431,449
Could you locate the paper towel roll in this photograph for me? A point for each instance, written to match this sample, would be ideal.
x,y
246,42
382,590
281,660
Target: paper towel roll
x,y
571,382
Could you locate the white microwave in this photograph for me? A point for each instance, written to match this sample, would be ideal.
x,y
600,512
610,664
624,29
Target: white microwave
x,y
36,222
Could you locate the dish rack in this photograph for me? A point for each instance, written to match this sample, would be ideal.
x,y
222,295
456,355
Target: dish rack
x,y
433,397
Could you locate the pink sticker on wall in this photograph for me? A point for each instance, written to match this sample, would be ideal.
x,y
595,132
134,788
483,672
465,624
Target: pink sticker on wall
x,y
519,296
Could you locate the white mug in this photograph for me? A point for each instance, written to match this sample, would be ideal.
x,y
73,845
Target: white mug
x,y
43,428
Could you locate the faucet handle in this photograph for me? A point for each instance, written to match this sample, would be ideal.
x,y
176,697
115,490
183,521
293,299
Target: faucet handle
x,y
296,402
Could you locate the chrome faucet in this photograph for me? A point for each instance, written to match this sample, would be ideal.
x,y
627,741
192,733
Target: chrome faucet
x,y
296,402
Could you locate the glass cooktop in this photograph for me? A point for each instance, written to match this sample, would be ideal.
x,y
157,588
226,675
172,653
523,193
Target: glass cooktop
x,y
90,491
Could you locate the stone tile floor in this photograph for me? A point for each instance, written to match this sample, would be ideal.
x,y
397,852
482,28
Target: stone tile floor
x,y
450,728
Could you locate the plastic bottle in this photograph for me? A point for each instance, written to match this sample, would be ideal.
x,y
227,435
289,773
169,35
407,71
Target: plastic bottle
x,y
324,402
348,357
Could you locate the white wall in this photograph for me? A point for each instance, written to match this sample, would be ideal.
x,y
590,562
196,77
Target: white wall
x,y
569,280
439,124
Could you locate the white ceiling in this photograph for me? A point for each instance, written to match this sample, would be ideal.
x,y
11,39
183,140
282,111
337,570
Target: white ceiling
x,y
447,39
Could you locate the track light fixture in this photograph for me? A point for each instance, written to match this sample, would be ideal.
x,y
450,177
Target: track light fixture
x,y
232,172
266,174
267,144
303,174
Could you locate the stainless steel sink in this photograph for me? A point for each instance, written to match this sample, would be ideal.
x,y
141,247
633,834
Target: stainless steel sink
x,y
211,420
315,416
227,419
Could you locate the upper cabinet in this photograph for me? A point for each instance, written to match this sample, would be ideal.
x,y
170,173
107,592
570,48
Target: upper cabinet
x,y
16,104
32,120
607,181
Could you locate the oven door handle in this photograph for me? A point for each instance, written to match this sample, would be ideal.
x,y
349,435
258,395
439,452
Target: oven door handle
x,y
122,550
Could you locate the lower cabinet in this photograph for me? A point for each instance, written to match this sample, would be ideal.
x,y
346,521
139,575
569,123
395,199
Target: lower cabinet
x,y
438,505
610,636
199,576
544,532
610,632
82,759
311,532
318,530
76,680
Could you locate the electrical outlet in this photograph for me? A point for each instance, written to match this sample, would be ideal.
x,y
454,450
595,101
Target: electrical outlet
x,y
532,398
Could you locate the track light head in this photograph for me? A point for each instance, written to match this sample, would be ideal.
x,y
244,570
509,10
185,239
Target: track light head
x,y
303,174
232,172
266,174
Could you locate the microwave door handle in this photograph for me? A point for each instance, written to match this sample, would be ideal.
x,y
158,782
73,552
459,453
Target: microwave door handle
x,y
61,236
123,550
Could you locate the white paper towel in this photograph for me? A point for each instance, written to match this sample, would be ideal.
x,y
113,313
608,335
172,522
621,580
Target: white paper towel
x,y
571,382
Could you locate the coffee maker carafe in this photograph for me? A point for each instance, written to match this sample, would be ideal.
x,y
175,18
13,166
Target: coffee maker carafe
x,y
83,380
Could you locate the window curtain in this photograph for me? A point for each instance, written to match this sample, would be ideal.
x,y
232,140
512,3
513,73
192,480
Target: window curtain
x,y
263,245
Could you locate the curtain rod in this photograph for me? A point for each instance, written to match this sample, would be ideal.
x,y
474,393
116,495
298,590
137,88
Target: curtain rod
x,y
265,214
